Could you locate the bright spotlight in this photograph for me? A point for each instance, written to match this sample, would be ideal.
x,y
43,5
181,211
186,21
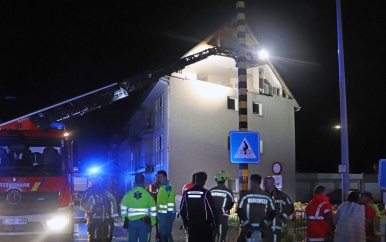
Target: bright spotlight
x,y
94,170
337,127
263,54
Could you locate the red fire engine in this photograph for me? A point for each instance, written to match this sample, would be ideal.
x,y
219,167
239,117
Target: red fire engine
x,y
35,182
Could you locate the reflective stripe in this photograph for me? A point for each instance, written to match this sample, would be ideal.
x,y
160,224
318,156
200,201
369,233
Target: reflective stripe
x,y
171,204
194,196
136,214
315,217
162,211
195,192
316,239
255,224
162,206
138,210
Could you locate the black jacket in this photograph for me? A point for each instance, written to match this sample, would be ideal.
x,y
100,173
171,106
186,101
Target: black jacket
x,y
255,206
223,199
197,207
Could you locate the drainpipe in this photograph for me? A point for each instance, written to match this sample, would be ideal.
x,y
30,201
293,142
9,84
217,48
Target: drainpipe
x,y
167,82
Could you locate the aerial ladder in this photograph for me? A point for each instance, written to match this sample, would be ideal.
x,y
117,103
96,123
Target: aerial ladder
x,y
77,106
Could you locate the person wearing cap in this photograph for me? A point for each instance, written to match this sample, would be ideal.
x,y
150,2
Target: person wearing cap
x,y
256,211
138,211
166,211
373,216
97,205
223,201
284,208
197,211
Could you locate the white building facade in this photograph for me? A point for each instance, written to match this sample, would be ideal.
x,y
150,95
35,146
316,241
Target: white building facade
x,y
183,123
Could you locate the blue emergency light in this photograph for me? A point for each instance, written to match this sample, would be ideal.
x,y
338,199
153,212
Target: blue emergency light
x,y
59,126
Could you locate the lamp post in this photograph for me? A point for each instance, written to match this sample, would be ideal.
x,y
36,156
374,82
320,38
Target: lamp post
x,y
343,106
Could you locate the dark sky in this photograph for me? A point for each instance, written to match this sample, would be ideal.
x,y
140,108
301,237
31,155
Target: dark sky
x,y
51,51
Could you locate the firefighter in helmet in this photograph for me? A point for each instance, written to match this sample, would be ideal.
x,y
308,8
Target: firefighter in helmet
x,y
97,205
223,201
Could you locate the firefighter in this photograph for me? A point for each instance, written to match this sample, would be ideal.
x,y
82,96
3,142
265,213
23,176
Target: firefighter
x,y
97,205
197,211
166,212
223,201
138,210
255,210
283,206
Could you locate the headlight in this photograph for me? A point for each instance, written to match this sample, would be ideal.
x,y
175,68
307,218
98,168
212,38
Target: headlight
x,y
57,222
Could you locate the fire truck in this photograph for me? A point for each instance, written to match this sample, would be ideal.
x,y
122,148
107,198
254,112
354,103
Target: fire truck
x,y
36,183
36,157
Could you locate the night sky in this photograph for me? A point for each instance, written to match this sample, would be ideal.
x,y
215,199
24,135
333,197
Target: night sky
x,y
51,51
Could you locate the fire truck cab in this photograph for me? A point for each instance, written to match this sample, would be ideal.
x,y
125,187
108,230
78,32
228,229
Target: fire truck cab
x,y
36,184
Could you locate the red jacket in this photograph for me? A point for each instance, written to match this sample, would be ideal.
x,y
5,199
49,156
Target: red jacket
x,y
153,189
371,213
318,229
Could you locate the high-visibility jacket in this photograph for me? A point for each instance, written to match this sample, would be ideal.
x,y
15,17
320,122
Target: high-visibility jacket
x,y
318,229
284,208
372,213
166,200
138,203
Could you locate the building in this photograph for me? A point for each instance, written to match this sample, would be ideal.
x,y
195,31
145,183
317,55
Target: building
x,y
183,123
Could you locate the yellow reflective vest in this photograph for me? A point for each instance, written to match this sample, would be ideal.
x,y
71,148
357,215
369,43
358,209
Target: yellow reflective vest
x,y
138,203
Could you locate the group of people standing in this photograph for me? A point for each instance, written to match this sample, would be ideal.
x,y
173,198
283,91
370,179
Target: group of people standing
x,y
356,220
204,213
262,213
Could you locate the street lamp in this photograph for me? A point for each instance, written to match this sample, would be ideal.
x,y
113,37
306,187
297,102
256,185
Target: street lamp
x,y
263,54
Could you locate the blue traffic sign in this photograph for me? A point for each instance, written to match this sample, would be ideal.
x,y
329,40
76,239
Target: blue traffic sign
x,y
382,174
244,147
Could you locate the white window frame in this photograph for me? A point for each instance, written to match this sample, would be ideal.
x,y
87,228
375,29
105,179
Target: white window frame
x,y
233,184
236,103
260,113
159,110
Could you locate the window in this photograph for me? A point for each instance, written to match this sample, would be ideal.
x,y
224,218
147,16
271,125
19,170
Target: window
x,y
158,151
232,104
257,108
159,110
233,184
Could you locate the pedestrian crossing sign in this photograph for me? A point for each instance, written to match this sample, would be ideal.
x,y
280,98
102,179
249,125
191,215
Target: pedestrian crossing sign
x,y
244,147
